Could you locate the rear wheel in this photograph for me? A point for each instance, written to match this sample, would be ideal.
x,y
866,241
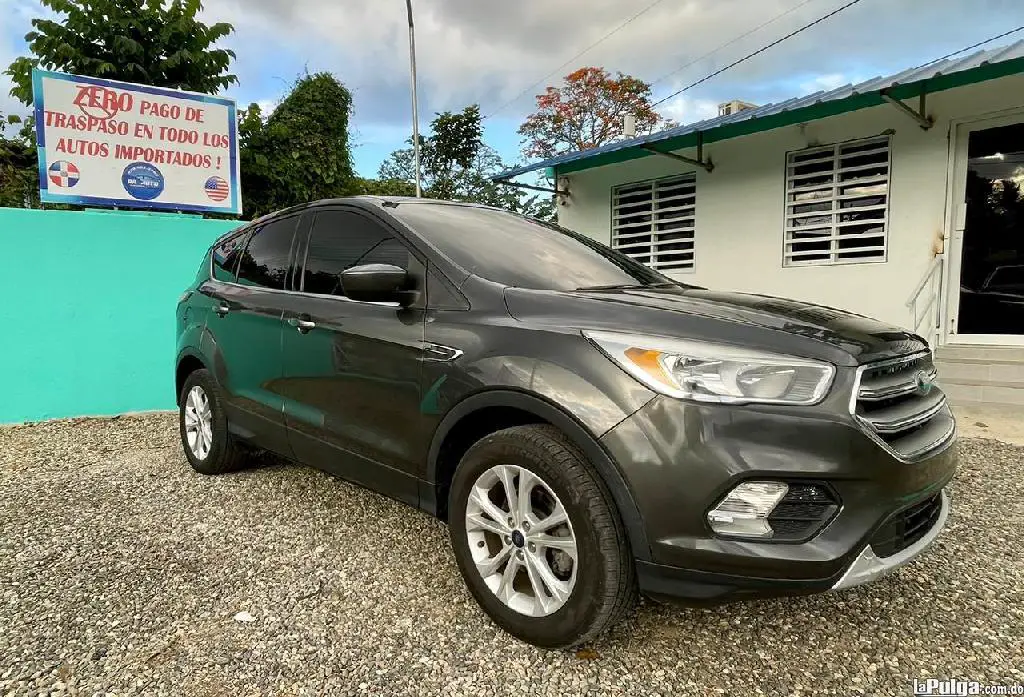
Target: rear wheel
x,y
537,539
203,425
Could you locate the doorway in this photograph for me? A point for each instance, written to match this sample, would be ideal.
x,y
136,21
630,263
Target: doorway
x,y
987,304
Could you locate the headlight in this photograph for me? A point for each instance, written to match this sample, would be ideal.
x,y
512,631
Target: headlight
x,y
708,372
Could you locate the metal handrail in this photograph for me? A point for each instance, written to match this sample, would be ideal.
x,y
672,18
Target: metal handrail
x,y
936,262
931,308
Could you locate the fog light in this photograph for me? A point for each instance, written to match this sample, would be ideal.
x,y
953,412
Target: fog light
x,y
744,511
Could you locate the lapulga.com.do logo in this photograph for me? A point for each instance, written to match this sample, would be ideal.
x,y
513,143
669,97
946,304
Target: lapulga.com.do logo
x,y
962,688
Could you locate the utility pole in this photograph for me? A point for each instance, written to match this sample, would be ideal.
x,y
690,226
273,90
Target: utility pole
x,y
415,109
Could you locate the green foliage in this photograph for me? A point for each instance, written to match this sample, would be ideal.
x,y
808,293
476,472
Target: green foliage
x,y
300,152
148,42
19,176
383,187
456,165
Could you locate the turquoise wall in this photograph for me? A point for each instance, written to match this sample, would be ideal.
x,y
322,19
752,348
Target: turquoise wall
x,y
87,303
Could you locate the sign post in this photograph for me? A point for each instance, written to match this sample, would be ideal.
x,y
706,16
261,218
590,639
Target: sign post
x,y
107,143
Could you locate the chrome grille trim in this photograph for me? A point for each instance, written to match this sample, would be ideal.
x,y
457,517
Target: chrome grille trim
x,y
913,426
890,389
896,424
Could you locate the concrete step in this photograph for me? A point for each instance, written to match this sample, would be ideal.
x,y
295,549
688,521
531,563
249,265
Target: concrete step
x,y
975,354
981,375
982,392
979,371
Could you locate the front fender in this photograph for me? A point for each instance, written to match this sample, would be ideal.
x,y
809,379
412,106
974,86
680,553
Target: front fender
x,y
572,427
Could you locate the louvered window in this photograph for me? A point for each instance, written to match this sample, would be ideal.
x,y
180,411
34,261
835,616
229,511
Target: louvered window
x,y
837,203
653,222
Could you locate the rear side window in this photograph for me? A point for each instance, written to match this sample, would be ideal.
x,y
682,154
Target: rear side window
x,y
265,261
225,257
342,239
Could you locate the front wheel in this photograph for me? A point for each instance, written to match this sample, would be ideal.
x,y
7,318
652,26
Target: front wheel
x,y
537,539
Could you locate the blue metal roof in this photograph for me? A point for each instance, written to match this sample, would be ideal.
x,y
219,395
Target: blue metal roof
x,y
961,67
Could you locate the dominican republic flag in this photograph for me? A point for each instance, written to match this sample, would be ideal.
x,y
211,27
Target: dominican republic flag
x,y
216,188
64,174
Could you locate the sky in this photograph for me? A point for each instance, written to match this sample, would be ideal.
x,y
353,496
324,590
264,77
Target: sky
x,y
501,54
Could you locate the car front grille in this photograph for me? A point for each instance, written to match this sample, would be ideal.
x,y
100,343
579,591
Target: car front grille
x,y
906,527
897,402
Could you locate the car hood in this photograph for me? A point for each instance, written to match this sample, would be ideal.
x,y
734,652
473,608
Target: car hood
x,y
764,321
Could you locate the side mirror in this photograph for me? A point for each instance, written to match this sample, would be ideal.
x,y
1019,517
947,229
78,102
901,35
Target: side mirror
x,y
377,283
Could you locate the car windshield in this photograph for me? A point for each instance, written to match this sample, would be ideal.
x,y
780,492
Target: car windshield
x,y
523,252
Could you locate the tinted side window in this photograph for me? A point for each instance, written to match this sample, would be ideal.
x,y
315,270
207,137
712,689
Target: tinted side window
x,y
225,257
342,239
265,261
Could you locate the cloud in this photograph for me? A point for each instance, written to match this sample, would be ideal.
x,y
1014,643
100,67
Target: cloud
x,y
687,110
829,81
491,52
496,53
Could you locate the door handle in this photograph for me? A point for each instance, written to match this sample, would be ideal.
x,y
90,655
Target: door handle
x,y
222,309
437,352
303,325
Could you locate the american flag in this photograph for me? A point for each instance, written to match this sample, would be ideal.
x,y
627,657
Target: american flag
x,y
216,188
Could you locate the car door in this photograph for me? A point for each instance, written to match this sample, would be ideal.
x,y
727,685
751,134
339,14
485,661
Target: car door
x,y
244,329
352,369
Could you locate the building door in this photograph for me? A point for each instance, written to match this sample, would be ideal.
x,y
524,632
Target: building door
x,y
987,302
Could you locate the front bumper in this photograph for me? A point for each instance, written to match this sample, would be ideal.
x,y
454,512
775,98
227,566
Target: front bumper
x,y
868,566
680,458
671,583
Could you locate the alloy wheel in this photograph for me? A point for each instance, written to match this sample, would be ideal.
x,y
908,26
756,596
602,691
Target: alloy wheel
x,y
198,422
521,540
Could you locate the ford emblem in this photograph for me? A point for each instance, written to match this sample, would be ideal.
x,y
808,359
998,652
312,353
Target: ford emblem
x,y
924,382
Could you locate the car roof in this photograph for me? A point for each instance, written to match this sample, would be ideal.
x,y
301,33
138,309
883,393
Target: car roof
x,y
361,201
383,201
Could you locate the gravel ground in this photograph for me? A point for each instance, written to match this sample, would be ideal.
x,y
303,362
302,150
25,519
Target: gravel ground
x,y
123,572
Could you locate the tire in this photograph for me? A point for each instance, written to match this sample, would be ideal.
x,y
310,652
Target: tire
x,y
223,453
602,582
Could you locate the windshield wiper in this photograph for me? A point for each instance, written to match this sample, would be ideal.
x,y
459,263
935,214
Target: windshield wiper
x,y
631,286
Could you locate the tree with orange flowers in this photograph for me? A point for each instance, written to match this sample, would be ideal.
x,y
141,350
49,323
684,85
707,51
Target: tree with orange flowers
x,y
587,111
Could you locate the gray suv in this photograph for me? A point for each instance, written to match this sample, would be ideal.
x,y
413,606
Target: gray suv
x,y
588,428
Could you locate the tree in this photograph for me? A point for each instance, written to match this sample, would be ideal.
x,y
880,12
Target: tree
x,y
588,112
300,152
455,164
19,176
383,187
145,42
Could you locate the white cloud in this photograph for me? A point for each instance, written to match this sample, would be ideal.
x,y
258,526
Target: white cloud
x,y
829,81
491,51
684,110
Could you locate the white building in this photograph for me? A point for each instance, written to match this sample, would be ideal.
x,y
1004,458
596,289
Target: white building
x,y
897,198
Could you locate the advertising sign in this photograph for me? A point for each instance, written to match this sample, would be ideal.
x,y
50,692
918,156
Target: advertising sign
x,y
110,143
